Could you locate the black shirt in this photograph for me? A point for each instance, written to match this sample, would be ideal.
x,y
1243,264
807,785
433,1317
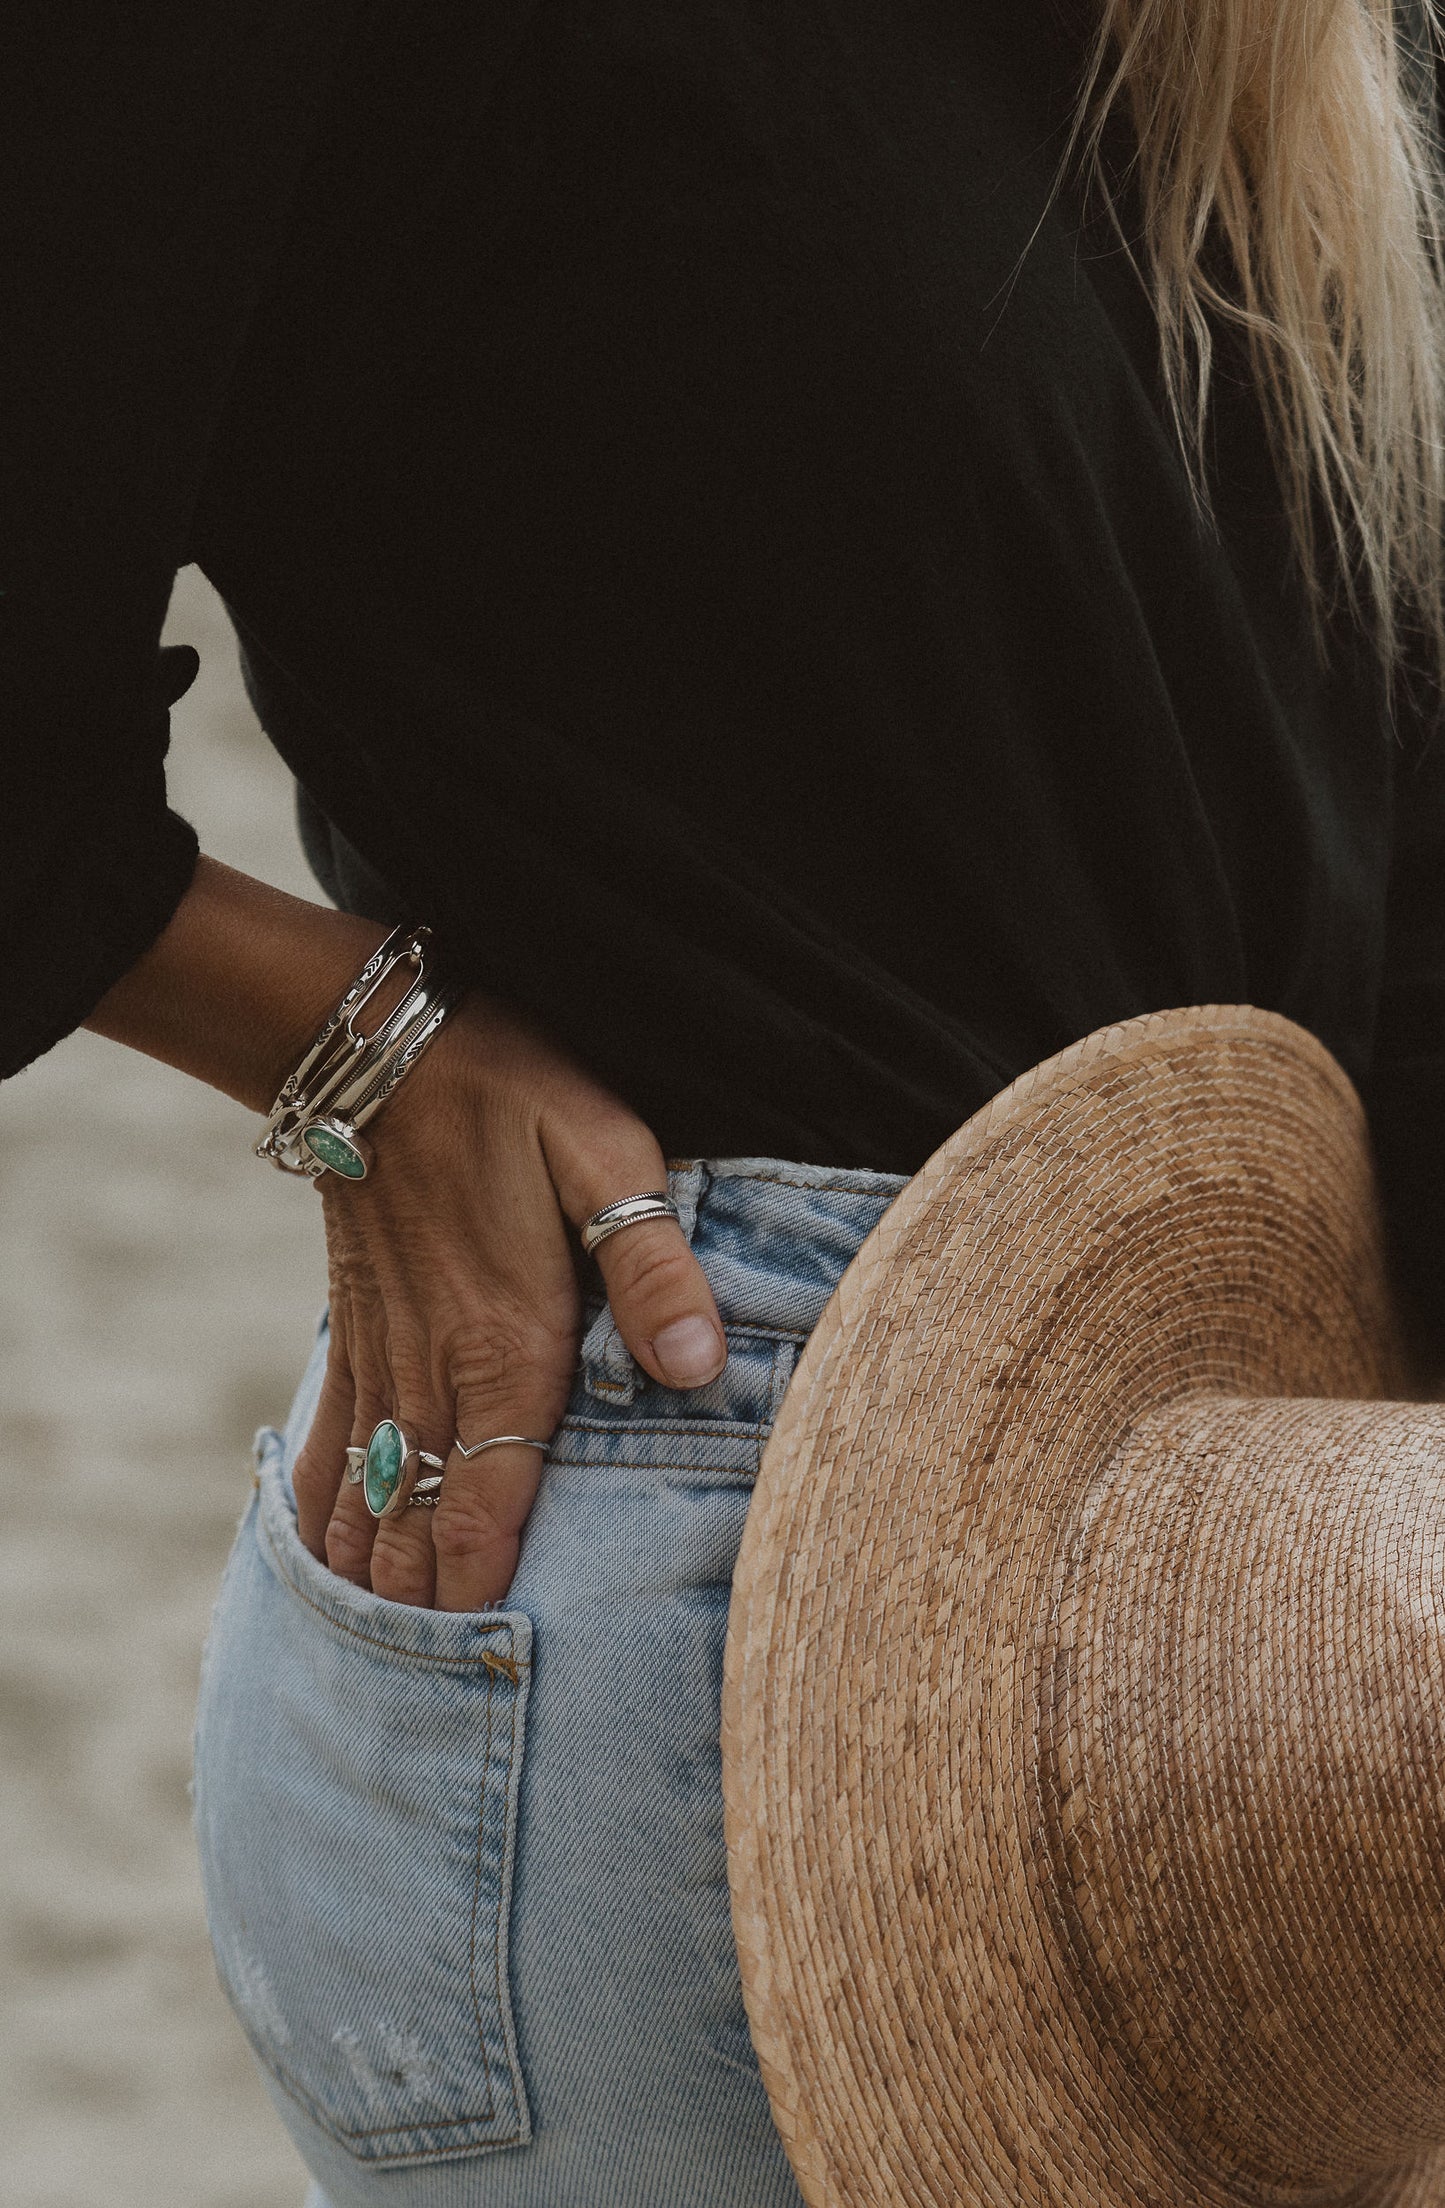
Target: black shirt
x,y
706,533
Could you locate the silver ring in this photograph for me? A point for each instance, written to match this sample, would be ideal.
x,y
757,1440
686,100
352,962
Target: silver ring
x,y
427,1493
384,1464
628,1211
499,1441
355,1466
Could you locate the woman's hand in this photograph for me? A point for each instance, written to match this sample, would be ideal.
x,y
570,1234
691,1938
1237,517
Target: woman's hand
x,y
454,1303
454,1300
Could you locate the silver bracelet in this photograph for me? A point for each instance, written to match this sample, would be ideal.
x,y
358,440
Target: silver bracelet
x,y
346,1076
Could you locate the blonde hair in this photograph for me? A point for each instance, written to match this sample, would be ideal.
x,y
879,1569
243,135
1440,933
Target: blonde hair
x,y
1289,184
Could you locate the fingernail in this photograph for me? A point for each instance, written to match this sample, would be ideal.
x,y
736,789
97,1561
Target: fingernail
x,y
689,1352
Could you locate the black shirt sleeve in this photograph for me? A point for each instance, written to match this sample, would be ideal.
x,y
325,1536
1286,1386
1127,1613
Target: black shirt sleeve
x,y
148,156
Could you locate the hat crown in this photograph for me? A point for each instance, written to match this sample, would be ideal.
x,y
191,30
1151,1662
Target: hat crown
x,y
1246,1836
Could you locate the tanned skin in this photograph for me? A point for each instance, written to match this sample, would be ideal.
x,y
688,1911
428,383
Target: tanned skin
x,y
454,1294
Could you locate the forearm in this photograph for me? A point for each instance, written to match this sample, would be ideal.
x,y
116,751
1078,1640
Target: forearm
x,y
237,986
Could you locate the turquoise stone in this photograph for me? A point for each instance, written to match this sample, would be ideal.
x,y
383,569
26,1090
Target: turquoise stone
x,y
334,1150
385,1463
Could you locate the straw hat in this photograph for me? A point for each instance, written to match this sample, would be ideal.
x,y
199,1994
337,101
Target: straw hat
x,y
1084,1723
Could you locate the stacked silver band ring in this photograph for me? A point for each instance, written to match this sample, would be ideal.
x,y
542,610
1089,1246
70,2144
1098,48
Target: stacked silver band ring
x,y
628,1211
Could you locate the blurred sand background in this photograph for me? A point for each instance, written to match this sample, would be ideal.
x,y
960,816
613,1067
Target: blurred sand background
x,y
158,1288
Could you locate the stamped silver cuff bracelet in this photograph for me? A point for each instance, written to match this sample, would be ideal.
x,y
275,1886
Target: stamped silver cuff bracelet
x,y
346,1076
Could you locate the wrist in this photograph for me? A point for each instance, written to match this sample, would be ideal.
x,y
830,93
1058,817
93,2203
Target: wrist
x,y
236,987
372,1039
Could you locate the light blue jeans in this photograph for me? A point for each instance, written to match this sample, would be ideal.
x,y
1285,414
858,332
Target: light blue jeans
x,y
465,1874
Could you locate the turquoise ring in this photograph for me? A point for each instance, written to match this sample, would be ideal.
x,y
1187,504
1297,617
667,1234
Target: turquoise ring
x,y
386,1476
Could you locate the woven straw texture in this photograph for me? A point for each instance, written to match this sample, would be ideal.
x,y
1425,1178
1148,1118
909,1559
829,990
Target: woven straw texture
x,y
1083,1740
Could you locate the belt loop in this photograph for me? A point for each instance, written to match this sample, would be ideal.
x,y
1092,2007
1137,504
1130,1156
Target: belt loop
x,y
688,1181
609,1370
785,1358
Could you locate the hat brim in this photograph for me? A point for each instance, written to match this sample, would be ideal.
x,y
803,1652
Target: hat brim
x,y
1178,1204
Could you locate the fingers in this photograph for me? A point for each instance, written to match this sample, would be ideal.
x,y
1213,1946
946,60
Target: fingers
x,y
461,1554
462,1319
319,1466
403,1563
477,1525
352,1528
419,1400
520,1388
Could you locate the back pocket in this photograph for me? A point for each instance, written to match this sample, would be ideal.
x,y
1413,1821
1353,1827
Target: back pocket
x,y
357,1769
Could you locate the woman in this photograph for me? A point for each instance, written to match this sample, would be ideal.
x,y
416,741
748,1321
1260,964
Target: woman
x,y
826,552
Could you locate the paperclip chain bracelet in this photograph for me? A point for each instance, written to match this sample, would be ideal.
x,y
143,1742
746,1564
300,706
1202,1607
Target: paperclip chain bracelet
x,y
346,1076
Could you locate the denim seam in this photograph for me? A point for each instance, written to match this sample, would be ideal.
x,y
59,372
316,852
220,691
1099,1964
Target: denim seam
x,y
666,1476
625,1391
747,1330
485,1657
674,1460
476,1900
726,1429
757,1434
839,1187
499,1915
317,2116
750,1330
506,1878
785,1364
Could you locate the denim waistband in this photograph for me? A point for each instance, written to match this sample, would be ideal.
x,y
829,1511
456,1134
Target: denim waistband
x,y
774,1238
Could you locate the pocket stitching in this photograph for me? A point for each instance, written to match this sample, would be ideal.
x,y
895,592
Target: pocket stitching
x,y
683,1465
486,1657
503,2006
487,2115
476,1899
292,2085
297,2092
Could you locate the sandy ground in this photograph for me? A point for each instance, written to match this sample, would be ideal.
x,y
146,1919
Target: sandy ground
x,y
157,1291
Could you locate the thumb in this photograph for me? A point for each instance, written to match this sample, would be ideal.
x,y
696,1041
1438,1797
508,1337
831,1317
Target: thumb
x,y
601,1154
662,1303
